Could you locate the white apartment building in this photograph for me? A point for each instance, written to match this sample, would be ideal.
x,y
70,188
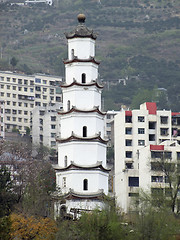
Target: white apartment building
x,y
134,131
2,119
45,125
109,129
21,93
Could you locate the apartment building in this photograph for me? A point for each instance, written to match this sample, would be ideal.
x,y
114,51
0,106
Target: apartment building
x,y
21,93
2,119
45,125
109,129
136,130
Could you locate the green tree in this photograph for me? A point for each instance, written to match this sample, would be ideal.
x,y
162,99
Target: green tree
x,y
13,62
7,196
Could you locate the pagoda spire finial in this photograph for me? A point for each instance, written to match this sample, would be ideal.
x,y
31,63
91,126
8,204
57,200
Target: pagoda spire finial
x,y
81,18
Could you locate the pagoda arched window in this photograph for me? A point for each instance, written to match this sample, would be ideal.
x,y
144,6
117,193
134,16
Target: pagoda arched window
x,y
68,105
72,53
65,161
84,131
83,78
85,184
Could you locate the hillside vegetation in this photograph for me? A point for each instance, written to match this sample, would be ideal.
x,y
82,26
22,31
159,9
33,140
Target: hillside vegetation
x,y
137,39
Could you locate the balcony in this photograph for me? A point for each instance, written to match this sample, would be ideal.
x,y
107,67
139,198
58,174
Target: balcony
x,y
25,97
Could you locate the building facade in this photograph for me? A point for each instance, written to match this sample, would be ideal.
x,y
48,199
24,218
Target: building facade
x,y
136,130
21,93
81,172
2,128
45,125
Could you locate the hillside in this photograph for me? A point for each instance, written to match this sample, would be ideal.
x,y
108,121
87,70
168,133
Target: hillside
x,y
138,39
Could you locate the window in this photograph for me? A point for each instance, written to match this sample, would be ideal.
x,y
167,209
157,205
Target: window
x,y
14,87
108,116
53,135
58,99
44,89
14,95
168,155
14,111
8,79
38,96
19,88
164,119
25,112
156,178
37,104
129,166
108,125
2,86
25,120
72,53
84,131
19,81
53,126
14,80
25,81
14,103
25,89
2,78
52,98
68,105
128,131
31,105
8,118
140,119
25,105
31,90
131,194
141,130
20,104
41,113
128,119
128,142
156,191
2,94
178,155
65,161
83,78
14,119
156,154
53,118
8,94
38,88
31,82
64,182
8,86
164,131
8,102
133,182
53,143
85,184
141,142
51,91
44,81
128,154
44,97
37,80
152,125
151,137
44,104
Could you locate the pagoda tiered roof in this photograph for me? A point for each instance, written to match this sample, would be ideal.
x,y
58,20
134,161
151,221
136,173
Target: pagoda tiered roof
x,y
74,109
75,59
74,166
74,137
92,83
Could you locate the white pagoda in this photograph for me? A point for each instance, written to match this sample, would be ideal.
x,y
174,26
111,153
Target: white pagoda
x,y
81,173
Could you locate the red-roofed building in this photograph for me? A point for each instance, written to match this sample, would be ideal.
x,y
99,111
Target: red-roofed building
x,y
134,131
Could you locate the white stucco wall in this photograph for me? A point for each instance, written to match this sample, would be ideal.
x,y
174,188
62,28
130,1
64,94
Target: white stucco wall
x,y
82,153
83,48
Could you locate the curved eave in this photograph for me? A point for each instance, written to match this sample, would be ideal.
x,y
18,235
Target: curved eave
x,y
75,35
81,60
75,195
83,139
74,166
73,109
75,83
